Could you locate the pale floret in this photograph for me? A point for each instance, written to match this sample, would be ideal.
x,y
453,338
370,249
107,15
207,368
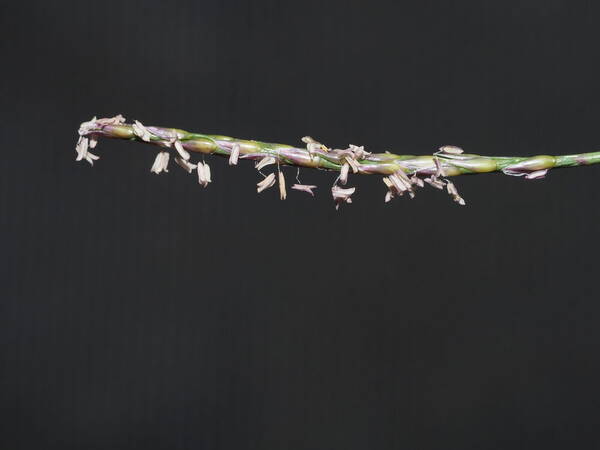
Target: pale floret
x,y
267,160
266,183
451,150
282,191
537,174
341,195
186,165
203,174
234,155
344,173
141,131
161,163
305,188
182,152
82,151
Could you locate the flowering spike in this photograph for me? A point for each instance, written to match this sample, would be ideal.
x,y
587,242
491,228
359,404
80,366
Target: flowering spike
x,y
431,169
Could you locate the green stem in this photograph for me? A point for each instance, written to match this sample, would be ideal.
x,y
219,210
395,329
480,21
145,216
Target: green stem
x,y
581,159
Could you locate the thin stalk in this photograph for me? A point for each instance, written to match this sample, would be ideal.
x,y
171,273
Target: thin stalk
x,y
449,161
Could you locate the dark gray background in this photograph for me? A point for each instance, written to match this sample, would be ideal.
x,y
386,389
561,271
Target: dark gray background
x,y
144,312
